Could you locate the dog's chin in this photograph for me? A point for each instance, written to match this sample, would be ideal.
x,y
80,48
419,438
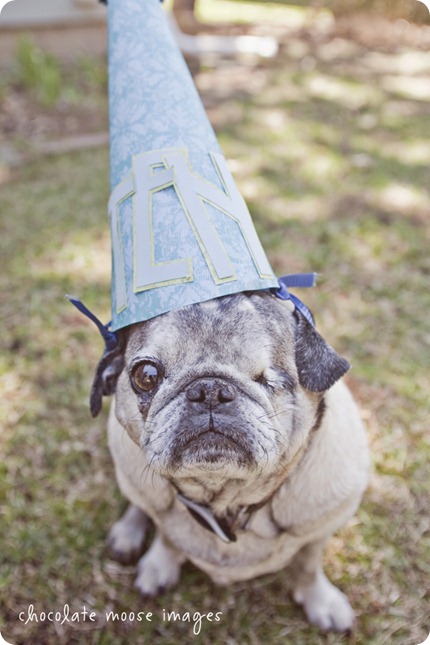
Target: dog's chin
x,y
212,450
207,448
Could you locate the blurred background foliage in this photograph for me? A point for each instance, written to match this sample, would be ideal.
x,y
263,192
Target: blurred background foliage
x,y
394,9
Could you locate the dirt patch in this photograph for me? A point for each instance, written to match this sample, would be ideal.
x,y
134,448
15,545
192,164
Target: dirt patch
x,y
23,118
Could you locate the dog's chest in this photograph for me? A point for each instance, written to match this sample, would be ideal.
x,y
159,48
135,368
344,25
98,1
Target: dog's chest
x,y
258,549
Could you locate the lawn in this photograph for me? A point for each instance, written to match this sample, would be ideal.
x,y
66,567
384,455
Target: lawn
x,y
329,146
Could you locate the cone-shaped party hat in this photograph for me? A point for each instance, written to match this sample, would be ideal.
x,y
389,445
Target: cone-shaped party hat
x,y
181,232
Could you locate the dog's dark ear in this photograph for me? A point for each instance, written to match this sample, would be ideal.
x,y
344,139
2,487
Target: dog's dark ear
x,y
318,365
108,370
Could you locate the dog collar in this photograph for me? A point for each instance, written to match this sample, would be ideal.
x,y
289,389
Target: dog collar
x,y
224,528
204,516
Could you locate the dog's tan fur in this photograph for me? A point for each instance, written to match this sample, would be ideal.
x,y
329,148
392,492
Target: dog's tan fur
x,y
285,438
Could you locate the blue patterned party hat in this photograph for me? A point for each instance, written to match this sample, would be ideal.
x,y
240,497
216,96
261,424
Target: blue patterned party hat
x,y
181,231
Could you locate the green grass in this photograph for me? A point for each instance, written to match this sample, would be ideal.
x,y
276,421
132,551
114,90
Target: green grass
x,y
334,165
38,72
49,80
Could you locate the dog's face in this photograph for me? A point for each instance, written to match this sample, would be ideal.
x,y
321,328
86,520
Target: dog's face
x,y
227,389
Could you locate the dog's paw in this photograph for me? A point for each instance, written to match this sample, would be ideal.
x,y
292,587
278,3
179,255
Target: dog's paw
x,y
325,605
127,536
159,569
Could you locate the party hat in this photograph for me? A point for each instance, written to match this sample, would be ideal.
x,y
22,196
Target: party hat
x,y
181,231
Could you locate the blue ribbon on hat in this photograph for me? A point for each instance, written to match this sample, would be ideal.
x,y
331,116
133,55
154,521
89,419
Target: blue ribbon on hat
x,y
109,337
296,280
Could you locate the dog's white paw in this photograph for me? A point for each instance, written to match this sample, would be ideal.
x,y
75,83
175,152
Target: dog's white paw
x,y
159,569
127,536
325,605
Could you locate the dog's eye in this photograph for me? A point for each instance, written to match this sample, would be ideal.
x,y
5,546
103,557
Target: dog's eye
x,y
144,377
261,378
275,379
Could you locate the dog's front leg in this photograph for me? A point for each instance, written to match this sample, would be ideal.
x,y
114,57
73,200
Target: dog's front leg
x,y
159,568
324,604
127,535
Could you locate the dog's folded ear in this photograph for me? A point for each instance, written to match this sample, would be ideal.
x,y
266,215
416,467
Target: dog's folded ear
x,y
108,370
318,365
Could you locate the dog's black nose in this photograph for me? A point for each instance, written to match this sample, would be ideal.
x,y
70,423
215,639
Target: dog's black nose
x,y
211,392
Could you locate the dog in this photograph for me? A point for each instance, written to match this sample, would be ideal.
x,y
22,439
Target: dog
x,y
232,431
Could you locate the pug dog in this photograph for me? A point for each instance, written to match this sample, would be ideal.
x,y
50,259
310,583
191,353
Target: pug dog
x,y
231,431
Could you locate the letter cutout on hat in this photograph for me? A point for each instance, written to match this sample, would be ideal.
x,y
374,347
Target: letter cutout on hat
x,y
181,231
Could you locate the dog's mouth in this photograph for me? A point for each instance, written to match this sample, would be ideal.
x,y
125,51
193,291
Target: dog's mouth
x,y
215,443
211,443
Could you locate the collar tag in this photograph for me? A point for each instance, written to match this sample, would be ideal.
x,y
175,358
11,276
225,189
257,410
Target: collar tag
x,y
206,518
